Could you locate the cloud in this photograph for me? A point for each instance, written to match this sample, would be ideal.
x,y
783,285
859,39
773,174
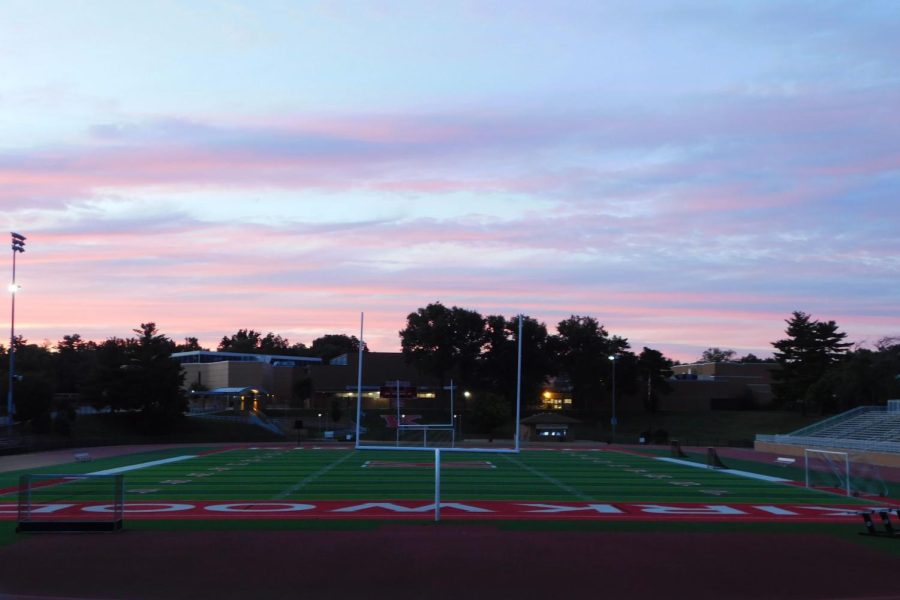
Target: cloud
x,y
683,226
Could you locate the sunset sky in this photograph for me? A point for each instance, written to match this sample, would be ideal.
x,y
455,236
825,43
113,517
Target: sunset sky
x,y
688,173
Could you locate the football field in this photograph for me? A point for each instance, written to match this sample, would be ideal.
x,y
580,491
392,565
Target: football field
x,y
290,482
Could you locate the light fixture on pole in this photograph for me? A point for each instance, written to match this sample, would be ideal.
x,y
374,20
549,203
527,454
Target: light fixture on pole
x,y
612,421
18,245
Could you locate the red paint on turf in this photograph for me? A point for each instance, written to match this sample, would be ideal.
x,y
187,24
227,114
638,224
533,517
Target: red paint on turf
x,y
460,464
462,510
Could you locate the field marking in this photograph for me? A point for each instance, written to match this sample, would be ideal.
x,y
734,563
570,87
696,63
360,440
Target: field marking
x,y
566,488
746,474
152,463
249,510
312,477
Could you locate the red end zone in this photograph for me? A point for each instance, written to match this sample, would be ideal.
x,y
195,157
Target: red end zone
x,y
462,510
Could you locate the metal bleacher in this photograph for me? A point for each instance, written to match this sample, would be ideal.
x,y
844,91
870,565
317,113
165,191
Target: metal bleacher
x,y
867,428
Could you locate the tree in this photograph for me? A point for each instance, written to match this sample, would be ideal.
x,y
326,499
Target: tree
x,y
190,344
653,370
497,365
865,377
489,412
752,358
105,385
273,344
248,341
806,355
717,355
138,374
245,340
441,340
584,350
332,345
154,380
74,358
34,385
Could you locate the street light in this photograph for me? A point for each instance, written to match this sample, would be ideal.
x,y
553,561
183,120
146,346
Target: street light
x,y
18,245
613,422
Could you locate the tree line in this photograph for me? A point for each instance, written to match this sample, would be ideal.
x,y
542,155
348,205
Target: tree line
x,y
135,374
480,353
815,368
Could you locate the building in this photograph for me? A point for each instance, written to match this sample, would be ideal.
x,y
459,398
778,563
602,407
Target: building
x,y
719,386
229,379
238,381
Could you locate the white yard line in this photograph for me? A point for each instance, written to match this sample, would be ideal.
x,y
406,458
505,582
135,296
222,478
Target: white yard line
x,y
310,478
746,474
152,463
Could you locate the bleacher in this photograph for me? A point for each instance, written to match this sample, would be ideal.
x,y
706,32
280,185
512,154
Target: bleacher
x,y
869,428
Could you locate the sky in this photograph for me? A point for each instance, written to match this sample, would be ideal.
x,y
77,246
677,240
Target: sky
x,y
686,172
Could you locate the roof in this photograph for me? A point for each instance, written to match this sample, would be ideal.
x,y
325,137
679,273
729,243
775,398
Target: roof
x,y
231,391
549,419
206,356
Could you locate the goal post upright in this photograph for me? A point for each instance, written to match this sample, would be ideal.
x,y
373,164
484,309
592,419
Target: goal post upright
x,y
518,385
362,316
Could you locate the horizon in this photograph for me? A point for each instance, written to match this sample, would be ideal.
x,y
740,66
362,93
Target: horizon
x,y
688,175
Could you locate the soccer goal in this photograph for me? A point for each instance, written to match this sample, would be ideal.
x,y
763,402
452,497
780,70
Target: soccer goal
x,y
848,472
68,502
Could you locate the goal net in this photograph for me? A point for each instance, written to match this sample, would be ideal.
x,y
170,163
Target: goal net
x,y
67,502
847,472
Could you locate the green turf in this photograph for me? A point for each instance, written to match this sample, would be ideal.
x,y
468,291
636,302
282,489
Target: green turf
x,y
315,475
11,478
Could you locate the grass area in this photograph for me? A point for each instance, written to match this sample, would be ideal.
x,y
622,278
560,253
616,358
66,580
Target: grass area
x,y
11,478
314,475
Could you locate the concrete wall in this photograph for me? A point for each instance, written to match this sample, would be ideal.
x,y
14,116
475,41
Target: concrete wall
x,y
883,459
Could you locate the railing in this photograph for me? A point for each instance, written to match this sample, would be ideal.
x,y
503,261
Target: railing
x,y
844,416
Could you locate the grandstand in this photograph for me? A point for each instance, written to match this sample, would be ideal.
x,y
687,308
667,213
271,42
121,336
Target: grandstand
x,y
873,429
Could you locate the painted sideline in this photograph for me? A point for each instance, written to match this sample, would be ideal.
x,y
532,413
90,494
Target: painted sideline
x,y
747,474
152,463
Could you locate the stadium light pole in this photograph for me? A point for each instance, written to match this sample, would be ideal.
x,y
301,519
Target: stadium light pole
x,y
613,421
18,245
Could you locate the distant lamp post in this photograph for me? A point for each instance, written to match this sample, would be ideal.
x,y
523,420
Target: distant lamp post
x,y
320,424
18,245
613,421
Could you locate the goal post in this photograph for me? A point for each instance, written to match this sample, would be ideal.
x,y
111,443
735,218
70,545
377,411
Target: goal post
x,y
403,415
850,472
427,436
827,469
65,502
433,430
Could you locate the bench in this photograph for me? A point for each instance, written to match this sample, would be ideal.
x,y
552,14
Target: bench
x,y
885,513
784,461
82,457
